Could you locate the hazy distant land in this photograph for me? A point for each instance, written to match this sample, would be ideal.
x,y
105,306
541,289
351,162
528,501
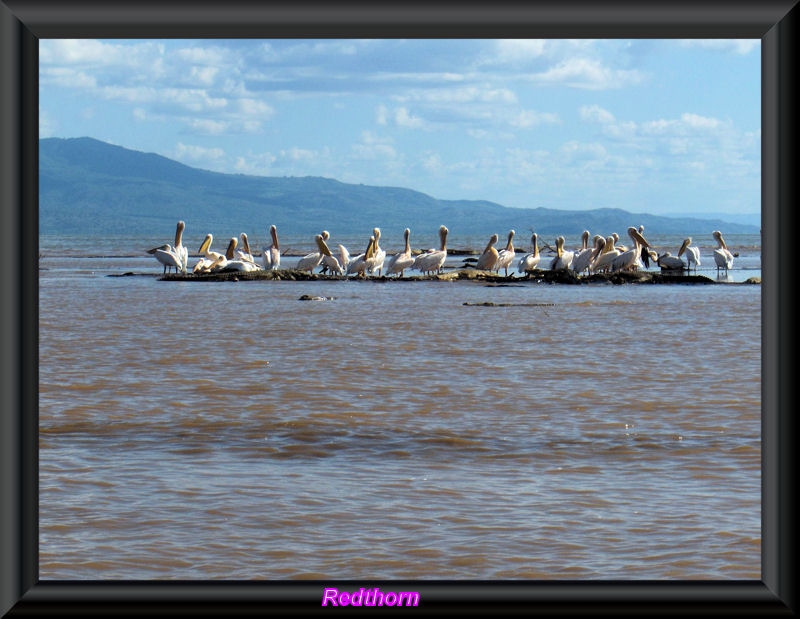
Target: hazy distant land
x,y
90,187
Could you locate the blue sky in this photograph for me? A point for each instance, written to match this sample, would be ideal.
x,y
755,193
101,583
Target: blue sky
x,y
667,127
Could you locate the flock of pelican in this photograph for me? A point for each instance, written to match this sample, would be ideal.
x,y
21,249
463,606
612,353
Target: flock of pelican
x,y
603,255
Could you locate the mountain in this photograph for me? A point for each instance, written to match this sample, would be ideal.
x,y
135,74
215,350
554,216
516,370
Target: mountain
x,y
90,187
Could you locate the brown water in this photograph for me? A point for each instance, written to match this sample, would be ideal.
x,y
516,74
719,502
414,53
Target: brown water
x,y
229,430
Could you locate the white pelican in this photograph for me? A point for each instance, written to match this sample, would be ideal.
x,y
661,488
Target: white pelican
x,y
210,265
309,262
620,248
647,253
244,266
583,257
403,260
607,254
244,253
360,263
631,259
378,254
344,257
488,259
668,262
167,256
328,259
271,256
530,261
692,254
208,257
722,257
432,261
506,256
563,258
236,260
180,249
221,262
342,261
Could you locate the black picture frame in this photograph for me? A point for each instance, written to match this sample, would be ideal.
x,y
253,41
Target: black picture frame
x,y
24,22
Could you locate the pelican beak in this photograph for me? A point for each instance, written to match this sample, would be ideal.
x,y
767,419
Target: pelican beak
x,y
640,238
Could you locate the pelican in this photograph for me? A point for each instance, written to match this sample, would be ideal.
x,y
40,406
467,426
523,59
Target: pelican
x,y
722,257
236,259
245,266
222,262
631,259
180,249
328,259
403,260
488,259
208,266
309,262
360,263
167,256
584,256
647,253
342,261
692,253
620,248
344,257
271,256
378,253
506,256
432,261
244,253
607,254
563,258
530,261
208,257
668,262
173,257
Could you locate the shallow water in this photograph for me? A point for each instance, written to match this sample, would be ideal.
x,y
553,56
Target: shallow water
x,y
229,430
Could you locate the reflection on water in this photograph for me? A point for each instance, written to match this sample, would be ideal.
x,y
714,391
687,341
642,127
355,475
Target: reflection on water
x,y
399,430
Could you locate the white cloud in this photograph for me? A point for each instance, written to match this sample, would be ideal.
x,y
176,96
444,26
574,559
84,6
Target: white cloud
x,y
47,126
257,164
531,118
588,73
67,77
208,126
699,122
204,76
188,152
736,46
594,113
520,48
381,115
461,95
432,163
373,147
404,119
299,155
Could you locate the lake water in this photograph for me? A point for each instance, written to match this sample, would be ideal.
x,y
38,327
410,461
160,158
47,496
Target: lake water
x,y
399,430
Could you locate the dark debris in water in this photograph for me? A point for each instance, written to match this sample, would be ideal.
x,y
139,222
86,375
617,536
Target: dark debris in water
x,y
493,304
308,297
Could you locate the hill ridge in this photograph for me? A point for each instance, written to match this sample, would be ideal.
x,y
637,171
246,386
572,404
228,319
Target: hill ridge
x,y
89,186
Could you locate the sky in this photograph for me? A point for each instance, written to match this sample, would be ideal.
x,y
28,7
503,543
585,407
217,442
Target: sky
x,y
666,127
